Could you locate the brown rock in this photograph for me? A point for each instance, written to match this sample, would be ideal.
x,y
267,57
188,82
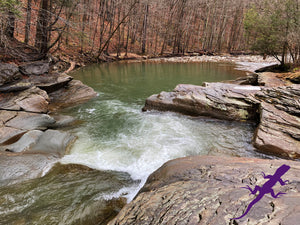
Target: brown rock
x,y
206,190
30,100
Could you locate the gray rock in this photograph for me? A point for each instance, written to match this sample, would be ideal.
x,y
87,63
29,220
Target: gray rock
x,y
206,190
15,168
50,82
25,143
8,73
279,129
35,68
53,142
30,121
62,121
16,86
74,93
219,100
30,100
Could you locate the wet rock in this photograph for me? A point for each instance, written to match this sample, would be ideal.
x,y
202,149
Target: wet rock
x,y
53,142
15,168
206,190
26,142
30,100
62,121
35,68
8,73
219,100
31,121
74,93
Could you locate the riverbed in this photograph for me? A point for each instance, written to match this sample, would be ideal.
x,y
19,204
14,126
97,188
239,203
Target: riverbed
x,y
123,143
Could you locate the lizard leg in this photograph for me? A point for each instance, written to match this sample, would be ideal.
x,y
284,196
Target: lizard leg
x,y
253,192
276,195
283,182
266,177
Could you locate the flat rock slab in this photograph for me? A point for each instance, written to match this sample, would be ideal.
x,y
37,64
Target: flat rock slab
x,y
219,100
206,190
30,100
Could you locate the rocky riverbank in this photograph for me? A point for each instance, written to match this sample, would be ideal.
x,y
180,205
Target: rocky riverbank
x,y
207,190
265,98
30,139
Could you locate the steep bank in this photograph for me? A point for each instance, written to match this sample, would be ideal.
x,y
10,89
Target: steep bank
x,y
207,190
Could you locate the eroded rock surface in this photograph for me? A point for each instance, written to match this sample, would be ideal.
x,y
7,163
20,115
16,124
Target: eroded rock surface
x,y
26,128
219,100
276,109
206,190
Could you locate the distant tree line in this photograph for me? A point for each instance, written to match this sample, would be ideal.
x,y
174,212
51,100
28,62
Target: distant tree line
x,y
154,27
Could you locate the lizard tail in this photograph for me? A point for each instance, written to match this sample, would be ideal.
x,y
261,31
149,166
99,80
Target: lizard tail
x,y
245,213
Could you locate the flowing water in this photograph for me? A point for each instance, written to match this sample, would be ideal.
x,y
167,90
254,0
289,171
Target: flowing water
x,y
124,144
118,136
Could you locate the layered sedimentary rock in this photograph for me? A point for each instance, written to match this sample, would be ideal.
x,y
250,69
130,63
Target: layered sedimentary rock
x,y
276,109
26,129
207,190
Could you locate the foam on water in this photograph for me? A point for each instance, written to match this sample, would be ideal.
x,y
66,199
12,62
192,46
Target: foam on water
x,y
147,140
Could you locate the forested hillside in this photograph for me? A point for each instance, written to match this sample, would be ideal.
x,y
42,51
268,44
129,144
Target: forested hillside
x,y
157,27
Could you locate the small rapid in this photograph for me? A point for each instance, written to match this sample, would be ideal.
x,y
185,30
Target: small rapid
x,y
117,136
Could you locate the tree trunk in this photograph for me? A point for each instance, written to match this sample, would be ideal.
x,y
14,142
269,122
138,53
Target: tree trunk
x,y
42,31
145,29
10,26
28,21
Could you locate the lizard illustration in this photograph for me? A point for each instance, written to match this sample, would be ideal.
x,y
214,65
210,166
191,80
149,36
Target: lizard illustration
x,y
267,187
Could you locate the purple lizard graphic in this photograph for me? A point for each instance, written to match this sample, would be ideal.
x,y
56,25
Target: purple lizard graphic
x,y
267,187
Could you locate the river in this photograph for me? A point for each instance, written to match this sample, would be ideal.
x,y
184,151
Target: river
x,y
123,143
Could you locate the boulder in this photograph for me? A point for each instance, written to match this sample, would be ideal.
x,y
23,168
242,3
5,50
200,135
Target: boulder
x,y
31,121
30,100
34,68
8,73
207,190
26,142
53,142
73,93
219,100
